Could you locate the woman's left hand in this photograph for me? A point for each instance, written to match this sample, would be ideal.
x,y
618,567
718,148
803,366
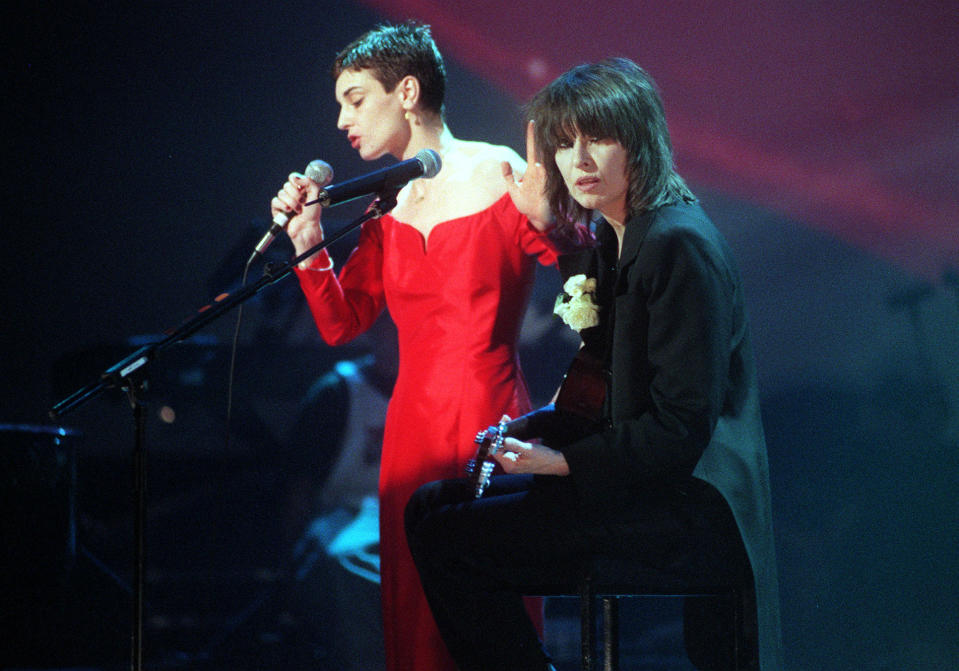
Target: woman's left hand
x,y
517,456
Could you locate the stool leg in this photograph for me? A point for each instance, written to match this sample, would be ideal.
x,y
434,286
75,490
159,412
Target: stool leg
x,y
738,617
587,615
610,633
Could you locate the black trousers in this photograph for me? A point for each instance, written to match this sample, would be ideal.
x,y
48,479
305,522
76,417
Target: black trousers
x,y
477,557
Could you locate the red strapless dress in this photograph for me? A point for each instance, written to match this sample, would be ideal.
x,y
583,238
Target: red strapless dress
x,y
457,299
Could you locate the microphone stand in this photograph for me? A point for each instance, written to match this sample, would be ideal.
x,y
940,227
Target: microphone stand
x,y
129,375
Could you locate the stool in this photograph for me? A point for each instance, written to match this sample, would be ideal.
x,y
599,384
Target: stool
x,y
604,581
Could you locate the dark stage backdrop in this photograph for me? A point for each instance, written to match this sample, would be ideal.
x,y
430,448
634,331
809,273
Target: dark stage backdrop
x,y
143,142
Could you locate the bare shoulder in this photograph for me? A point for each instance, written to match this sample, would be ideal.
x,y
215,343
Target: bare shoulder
x,y
482,161
470,180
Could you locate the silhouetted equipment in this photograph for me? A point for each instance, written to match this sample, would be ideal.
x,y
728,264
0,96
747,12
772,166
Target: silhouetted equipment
x,y
215,541
950,277
56,605
910,297
186,395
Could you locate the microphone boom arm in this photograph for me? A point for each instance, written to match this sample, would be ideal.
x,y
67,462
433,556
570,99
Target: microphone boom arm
x,y
121,371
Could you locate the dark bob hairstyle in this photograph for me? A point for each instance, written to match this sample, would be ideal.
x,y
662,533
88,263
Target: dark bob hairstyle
x,y
613,99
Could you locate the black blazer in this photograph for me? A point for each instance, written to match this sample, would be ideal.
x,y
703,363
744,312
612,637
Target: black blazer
x,y
683,395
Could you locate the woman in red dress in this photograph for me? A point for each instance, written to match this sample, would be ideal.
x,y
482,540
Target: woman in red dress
x,y
454,265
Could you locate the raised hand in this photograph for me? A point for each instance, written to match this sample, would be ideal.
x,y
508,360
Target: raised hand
x,y
528,191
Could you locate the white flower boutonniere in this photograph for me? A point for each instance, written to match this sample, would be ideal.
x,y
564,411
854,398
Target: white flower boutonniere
x,y
575,305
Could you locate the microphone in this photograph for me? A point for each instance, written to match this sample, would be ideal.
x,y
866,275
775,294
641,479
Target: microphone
x,y
425,164
319,172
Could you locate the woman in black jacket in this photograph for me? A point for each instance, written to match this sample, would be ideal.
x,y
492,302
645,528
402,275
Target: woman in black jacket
x,y
674,473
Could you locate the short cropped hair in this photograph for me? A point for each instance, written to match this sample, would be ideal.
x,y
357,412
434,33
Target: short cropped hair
x,y
393,51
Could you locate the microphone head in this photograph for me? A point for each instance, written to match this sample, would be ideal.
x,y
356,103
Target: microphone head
x,y
431,162
319,172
